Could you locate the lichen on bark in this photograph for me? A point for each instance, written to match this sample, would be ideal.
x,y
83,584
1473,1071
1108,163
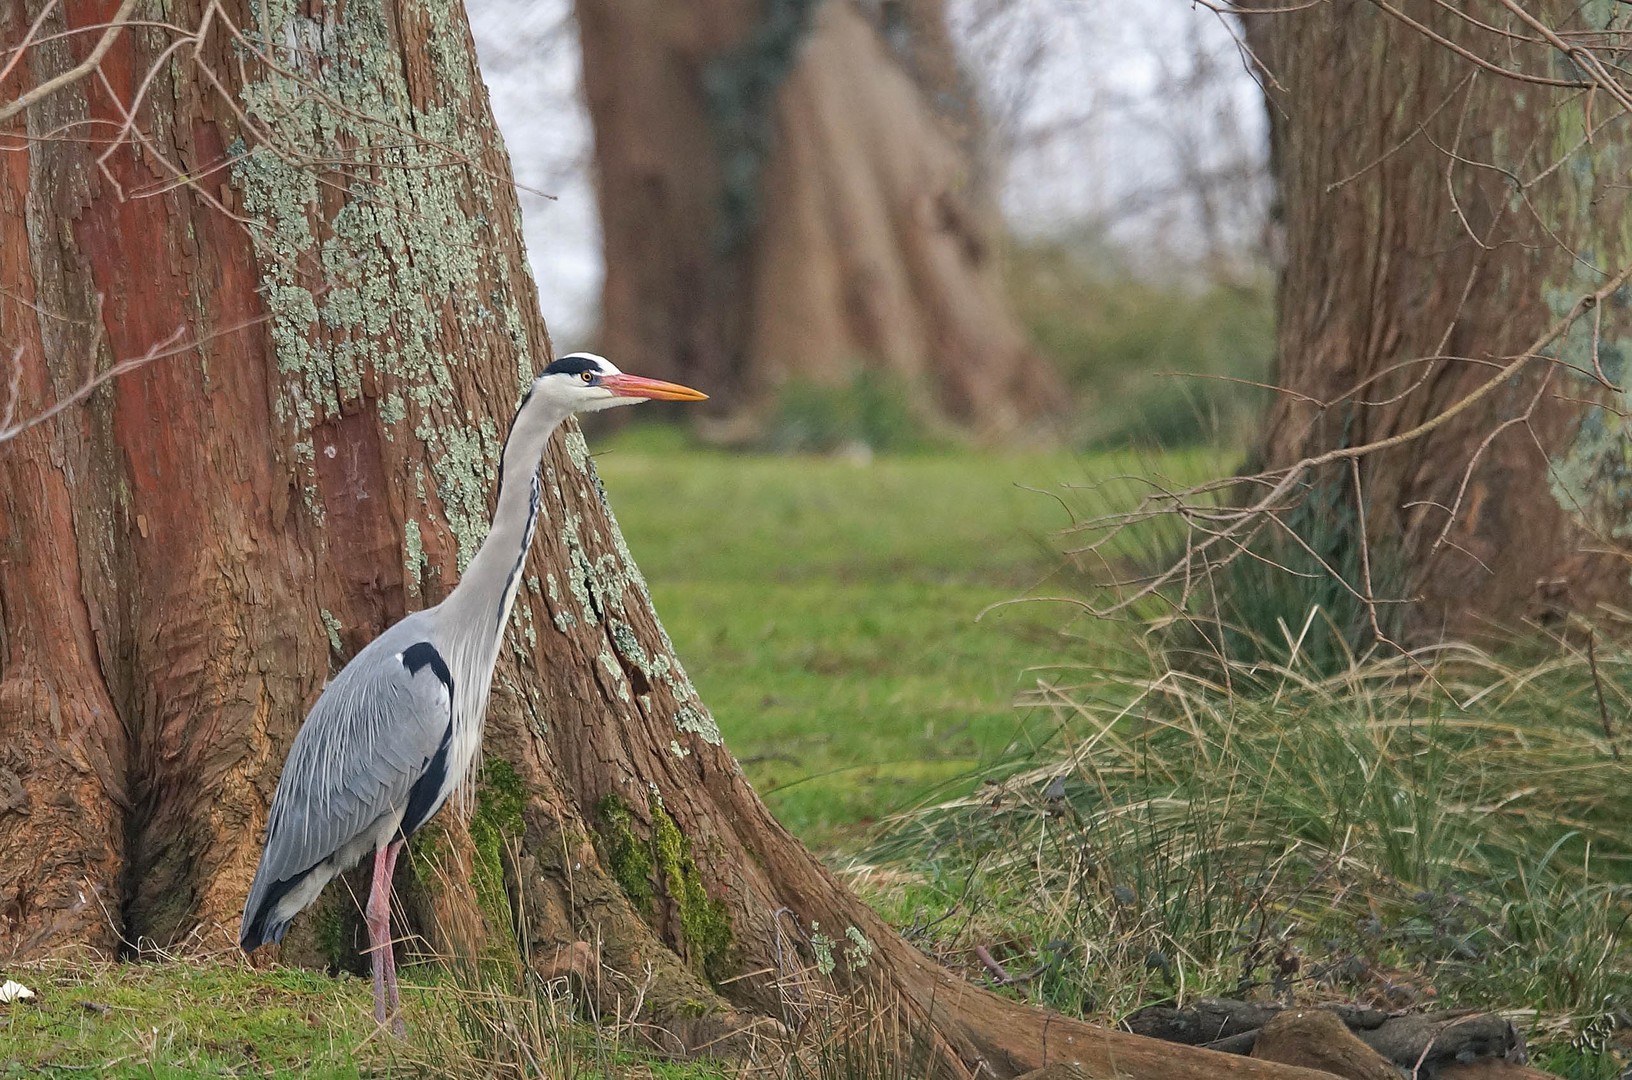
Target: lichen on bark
x,y
397,234
604,588
1590,474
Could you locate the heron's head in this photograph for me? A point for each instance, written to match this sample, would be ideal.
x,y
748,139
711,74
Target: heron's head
x,y
584,382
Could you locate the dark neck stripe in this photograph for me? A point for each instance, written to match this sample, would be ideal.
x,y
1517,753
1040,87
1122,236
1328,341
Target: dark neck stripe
x,y
534,501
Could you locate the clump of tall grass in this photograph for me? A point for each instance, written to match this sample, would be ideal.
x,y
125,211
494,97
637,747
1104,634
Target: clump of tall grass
x,y
1439,826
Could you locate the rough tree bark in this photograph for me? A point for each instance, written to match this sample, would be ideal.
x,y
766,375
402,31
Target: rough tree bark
x,y
329,229
1438,217
788,190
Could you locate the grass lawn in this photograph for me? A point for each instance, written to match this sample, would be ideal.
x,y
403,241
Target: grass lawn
x,y
152,1020
219,1017
830,612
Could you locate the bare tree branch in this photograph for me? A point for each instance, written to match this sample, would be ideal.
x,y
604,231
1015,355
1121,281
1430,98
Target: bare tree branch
x,y
78,71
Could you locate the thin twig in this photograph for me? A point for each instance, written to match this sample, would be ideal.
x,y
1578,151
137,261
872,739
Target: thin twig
x,y
1598,687
78,71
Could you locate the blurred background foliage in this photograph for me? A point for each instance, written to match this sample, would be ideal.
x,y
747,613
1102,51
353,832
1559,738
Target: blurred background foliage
x,y
1155,363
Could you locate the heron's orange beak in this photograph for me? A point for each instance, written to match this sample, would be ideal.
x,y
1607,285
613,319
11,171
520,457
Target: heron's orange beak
x,y
657,389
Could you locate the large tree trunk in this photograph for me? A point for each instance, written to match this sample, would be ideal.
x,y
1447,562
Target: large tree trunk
x,y
1439,218
186,559
789,190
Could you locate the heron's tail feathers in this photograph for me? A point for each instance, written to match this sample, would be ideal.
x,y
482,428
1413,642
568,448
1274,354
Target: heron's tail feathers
x,y
260,931
270,908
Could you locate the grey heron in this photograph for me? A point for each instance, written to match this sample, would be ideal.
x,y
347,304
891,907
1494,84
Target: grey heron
x,y
394,734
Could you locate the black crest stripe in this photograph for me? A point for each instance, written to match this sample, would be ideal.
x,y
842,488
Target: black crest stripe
x,y
573,365
422,654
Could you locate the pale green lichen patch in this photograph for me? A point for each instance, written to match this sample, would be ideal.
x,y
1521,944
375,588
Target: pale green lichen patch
x,y
413,555
628,645
1591,473
468,474
392,412
564,620
822,946
601,590
859,948
614,673
398,235
332,625
1582,208
577,449
695,720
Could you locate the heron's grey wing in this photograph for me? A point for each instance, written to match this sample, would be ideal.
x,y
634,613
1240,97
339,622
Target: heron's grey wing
x,y
373,734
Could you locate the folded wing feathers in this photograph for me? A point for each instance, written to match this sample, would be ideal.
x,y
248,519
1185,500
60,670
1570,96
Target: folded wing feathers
x,y
365,742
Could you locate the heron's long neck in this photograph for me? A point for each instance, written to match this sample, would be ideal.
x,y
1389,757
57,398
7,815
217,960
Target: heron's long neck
x,y
480,605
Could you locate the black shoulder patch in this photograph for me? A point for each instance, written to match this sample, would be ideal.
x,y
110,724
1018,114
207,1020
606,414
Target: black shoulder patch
x,y
573,365
422,654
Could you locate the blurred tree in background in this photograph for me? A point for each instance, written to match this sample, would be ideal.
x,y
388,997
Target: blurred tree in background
x,y
1119,155
789,191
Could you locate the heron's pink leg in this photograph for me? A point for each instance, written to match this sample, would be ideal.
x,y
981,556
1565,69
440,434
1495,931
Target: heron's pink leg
x,y
391,999
379,933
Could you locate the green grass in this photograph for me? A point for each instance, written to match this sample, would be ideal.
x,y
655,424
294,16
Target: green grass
x,y
830,613
209,1017
165,1020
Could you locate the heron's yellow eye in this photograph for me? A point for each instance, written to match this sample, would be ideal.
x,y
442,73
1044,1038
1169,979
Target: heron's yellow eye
x,y
589,376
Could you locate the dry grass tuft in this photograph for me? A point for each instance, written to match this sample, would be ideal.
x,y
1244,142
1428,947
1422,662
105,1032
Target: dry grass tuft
x,y
1441,827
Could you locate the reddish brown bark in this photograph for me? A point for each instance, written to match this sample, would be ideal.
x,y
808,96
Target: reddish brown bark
x,y
63,751
1415,267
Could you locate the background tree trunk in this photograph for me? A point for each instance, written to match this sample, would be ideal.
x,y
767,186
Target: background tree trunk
x,y
788,191
1438,218
333,236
